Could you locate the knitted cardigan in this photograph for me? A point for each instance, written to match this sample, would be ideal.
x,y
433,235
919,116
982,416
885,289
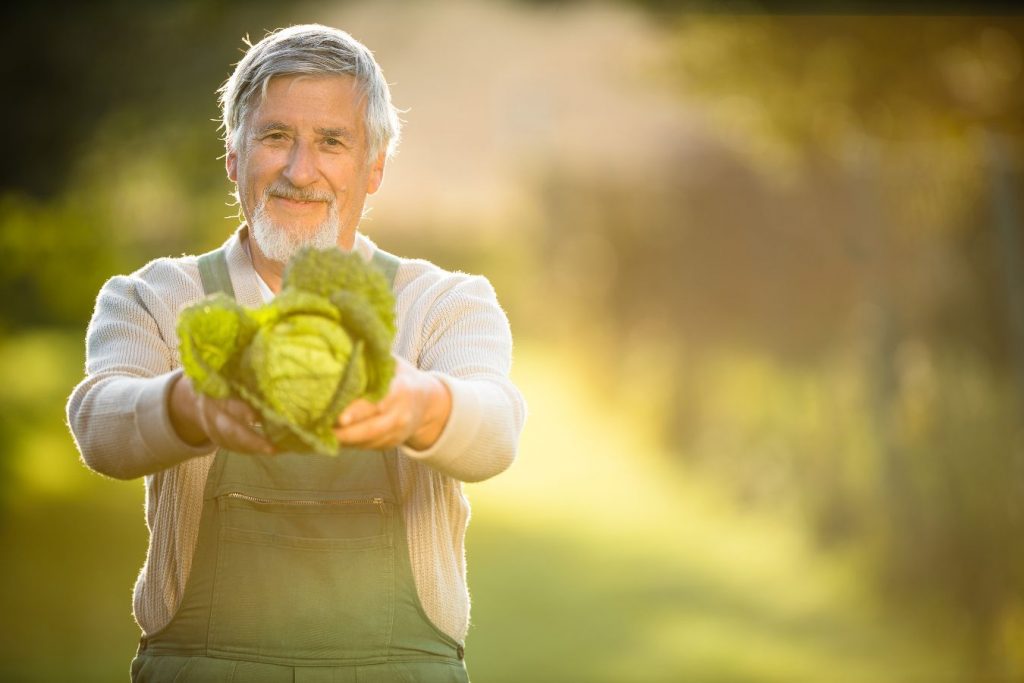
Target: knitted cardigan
x,y
449,324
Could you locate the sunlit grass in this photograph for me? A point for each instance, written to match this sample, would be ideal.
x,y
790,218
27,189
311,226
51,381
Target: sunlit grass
x,y
595,559
48,465
37,372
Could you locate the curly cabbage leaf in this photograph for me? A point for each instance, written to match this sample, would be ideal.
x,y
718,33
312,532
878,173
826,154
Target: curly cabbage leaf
x,y
327,271
211,334
300,359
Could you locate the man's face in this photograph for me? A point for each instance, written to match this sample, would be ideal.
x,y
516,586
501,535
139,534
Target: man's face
x,y
302,168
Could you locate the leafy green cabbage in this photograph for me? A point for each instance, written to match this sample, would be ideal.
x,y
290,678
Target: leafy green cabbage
x,y
298,360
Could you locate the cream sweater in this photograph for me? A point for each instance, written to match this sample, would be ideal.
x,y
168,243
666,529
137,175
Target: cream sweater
x,y
449,324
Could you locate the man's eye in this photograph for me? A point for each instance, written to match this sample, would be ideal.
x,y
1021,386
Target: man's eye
x,y
274,136
332,142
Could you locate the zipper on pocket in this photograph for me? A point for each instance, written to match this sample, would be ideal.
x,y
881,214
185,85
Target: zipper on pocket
x,y
376,500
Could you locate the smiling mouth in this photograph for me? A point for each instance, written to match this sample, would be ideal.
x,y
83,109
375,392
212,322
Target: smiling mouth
x,y
297,203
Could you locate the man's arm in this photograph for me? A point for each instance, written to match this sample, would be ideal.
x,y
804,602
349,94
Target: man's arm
x,y
134,414
118,413
458,411
225,423
413,413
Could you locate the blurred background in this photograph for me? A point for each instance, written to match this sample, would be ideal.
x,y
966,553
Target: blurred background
x,y
765,276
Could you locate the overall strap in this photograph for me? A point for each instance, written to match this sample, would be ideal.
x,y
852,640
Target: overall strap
x,y
388,264
213,270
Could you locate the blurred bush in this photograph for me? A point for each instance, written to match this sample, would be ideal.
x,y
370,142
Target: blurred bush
x,y
819,301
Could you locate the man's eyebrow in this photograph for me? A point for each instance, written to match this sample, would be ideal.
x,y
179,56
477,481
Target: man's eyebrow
x,y
273,125
343,133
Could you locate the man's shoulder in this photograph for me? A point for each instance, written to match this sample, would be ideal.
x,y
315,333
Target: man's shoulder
x,y
420,278
416,278
170,279
175,273
425,290
168,266
418,271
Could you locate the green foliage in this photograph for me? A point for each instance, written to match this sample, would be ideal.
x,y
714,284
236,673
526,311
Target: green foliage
x,y
216,330
329,271
362,297
299,360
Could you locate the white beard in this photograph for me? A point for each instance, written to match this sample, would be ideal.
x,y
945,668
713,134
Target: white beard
x,y
279,244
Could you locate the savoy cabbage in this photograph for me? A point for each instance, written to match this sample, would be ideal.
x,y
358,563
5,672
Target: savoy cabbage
x,y
299,359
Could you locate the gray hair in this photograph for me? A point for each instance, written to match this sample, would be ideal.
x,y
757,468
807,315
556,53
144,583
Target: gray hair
x,y
310,49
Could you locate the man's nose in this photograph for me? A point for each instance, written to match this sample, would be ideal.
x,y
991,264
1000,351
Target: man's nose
x,y
301,169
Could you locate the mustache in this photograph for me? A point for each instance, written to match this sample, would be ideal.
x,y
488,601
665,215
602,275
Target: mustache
x,y
286,190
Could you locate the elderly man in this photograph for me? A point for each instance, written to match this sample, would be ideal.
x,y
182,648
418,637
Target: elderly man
x,y
266,566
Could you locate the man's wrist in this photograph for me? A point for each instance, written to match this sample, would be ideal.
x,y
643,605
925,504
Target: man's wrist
x,y
439,407
181,409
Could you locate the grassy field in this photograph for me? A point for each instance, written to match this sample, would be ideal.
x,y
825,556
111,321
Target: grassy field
x,y
590,560
593,560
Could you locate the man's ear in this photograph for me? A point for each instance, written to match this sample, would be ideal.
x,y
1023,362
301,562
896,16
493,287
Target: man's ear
x,y
231,164
376,174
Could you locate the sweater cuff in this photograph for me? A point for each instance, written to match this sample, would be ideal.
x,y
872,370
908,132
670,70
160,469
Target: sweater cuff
x,y
460,430
154,423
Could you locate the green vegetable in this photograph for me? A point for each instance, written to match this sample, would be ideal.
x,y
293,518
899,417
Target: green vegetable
x,y
298,360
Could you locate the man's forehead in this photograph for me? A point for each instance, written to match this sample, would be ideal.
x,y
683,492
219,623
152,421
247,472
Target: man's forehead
x,y
322,101
341,82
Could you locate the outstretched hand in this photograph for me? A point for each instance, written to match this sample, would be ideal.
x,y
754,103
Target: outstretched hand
x,y
414,413
226,423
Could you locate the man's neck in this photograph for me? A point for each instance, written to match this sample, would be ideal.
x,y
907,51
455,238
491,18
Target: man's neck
x,y
271,271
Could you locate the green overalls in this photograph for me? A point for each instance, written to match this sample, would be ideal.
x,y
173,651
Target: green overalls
x,y
301,571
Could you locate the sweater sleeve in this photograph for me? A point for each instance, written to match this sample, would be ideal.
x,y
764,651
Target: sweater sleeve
x,y
118,413
467,344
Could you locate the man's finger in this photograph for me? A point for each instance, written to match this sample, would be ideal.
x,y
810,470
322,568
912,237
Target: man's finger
x,y
240,411
357,411
375,432
204,415
250,442
239,436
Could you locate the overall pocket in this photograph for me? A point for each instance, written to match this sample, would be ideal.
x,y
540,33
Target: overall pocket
x,y
302,578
